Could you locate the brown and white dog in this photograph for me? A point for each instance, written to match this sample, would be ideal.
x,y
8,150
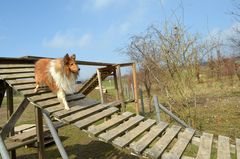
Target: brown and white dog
x,y
59,75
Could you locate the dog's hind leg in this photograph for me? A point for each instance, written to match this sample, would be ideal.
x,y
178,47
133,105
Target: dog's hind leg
x,y
62,98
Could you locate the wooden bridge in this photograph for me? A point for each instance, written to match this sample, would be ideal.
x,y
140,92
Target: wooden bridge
x,y
106,122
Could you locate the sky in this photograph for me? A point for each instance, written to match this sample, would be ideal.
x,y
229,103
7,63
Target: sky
x,y
96,30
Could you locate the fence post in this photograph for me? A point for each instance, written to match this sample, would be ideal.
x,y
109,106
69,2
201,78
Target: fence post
x,y
100,85
120,88
156,105
135,85
142,102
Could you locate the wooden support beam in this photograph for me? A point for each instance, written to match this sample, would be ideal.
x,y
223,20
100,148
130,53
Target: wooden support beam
x,y
116,84
135,86
100,85
2,91
39,132
10,109
13,119
120,88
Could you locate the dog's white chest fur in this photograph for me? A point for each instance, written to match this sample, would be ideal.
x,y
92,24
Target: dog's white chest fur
x,y
67,84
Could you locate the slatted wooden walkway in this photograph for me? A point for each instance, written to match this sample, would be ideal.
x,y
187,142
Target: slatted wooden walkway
x,y
105,122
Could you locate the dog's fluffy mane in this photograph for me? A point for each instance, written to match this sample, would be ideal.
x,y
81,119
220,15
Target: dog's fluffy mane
x,y
56,75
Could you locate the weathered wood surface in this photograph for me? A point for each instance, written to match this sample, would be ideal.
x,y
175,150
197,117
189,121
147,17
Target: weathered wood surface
x,y
181,144
204,151
16,70
97,129
23,127
158,148
43,96
223,151
31,92
238,148
134,133
111,134
96,117
81,106
17,76
79,115
25,86
13,66
140,145
21,81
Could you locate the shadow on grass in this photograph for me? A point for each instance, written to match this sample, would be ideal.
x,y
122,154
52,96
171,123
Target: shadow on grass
x,y
93,150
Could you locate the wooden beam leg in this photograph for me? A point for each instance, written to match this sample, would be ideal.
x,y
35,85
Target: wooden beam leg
x,y
2,91
39,131
116,84
10,109
100,85
120,88
135,86
8,127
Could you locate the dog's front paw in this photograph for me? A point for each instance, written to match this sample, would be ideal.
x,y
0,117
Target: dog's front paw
x,y
67,108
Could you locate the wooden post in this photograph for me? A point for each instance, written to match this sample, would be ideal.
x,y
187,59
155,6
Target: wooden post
x,y
142,102
100,85
2,91
116,84
39,131
135,85
120,88
132,89
10,109
155,98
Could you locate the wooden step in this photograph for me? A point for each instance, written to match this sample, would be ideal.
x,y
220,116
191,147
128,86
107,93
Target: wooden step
x,y
159,147
97,129
43,96
21,81
15,66
204,151
223,151
81,106
134,133
16,70
25,86
84,113
96,117
140,145
31,92
126,126
17,76
181,144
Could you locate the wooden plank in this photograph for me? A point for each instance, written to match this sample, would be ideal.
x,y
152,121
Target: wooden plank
x,y
12,145
25,86
135,86
16,70
97,129
204,151
120,88
134,133
181,144
31,92
17,76
13,119
223,151
21,81
140,145
238,148
82,104
27,135
40,132
79,115
43,96
96,117
158,148
8,66
113,133
55,101
23,127
64,113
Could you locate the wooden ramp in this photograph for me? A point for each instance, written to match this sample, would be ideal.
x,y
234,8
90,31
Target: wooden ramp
x,y
105,122
92,83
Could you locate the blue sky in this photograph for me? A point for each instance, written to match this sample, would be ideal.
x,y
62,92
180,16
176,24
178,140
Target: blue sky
x,y
96,29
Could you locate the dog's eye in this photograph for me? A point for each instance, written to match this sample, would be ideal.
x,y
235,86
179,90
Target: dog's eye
x,y
71,64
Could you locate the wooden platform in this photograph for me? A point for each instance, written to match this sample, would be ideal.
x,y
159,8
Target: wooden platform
x,y
105,122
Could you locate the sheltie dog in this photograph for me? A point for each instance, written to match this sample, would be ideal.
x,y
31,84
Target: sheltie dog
x,y
59,75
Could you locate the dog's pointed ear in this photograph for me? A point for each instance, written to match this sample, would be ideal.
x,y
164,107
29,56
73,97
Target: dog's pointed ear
x,y
73,56
66,59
